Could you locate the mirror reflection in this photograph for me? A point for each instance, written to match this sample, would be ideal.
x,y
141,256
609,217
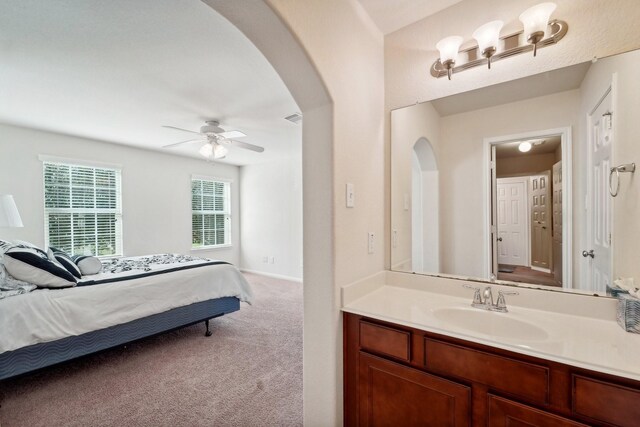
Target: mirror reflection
x,y
529,181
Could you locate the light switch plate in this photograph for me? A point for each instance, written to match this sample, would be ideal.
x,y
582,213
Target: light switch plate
x,y
371,242
350,196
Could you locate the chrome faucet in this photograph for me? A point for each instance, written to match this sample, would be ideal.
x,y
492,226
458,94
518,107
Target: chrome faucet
x,y
483,299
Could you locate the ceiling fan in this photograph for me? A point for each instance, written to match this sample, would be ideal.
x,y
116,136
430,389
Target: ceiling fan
x,y
215,139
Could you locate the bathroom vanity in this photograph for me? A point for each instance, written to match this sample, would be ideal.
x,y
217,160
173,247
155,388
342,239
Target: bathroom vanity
x,y
411,358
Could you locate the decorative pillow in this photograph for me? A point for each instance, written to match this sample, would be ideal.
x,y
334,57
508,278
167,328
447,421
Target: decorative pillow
x,y
65,260
34,266
88,264
10,286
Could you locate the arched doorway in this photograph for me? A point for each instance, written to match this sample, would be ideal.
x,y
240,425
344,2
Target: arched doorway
x,y
322,369
425,221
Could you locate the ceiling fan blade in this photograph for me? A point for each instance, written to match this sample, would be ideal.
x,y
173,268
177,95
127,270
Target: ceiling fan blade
x,y
183,142
184,130
241,144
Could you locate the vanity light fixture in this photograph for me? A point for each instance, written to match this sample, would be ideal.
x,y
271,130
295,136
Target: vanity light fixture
x,y
488,37
538,32
448,48
535,21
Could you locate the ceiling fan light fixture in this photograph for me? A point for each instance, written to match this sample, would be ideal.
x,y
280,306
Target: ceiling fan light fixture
x,y
219,151
206,150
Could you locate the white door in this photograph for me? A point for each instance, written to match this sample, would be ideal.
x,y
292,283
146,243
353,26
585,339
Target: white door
x,y
512,221
598,253
540,222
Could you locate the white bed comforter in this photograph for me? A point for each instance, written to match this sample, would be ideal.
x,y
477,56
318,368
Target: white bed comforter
x,y
48,315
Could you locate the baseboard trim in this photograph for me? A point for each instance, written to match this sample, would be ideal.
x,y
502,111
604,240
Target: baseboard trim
x,y
275,276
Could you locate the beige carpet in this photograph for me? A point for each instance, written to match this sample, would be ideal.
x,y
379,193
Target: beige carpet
x,y
249,373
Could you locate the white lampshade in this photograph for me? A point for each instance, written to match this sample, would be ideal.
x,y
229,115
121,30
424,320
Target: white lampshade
x,y
206,150
488,35
448,48
536,18
219,151
9,215
524,146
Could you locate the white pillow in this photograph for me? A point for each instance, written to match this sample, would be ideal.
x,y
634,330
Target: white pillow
x,y
34,266
88,264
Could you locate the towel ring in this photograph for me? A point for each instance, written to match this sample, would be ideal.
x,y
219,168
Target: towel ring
x,y
629,167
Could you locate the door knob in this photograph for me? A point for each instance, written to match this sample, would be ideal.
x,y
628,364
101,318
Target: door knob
x,y
499,239
590,253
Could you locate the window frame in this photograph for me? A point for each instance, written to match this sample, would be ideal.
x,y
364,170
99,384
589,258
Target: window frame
x,y
117,211
227,212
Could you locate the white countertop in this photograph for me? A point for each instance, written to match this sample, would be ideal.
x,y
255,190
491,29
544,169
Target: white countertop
x,y
597,343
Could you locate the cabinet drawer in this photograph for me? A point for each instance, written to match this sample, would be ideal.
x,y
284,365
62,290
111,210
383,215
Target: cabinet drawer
x,y
604,401
517,378
392,394
505,413
384,340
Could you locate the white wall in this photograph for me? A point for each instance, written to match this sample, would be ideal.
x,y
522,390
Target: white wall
x,y
347,51
271,203
408,126
462,174
156,190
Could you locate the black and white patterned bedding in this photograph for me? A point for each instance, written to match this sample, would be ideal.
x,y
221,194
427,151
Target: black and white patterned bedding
x,y
146,263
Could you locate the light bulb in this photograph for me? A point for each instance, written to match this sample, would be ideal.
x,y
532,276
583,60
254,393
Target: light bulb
x,y
488,37
219,151
524,146
206,150
535,21
448,48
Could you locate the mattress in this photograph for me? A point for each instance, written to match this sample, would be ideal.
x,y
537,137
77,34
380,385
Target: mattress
x,y
114,298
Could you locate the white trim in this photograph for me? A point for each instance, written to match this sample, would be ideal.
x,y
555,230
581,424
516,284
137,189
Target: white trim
x,y
275,276
567,190
210,178
78,162
543,270
211,247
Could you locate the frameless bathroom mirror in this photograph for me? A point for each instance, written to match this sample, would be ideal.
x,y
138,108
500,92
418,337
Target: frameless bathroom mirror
x,y
527,182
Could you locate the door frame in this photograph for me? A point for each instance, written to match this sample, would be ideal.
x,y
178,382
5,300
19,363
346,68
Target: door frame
x,y
567,189
527,219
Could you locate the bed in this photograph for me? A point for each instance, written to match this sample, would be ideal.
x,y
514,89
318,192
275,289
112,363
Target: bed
x,y
130,299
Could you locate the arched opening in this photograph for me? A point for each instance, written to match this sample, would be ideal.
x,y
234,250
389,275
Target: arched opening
x,y
425,244
322,346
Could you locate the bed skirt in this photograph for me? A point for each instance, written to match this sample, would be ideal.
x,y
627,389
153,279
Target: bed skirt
x,y
38,356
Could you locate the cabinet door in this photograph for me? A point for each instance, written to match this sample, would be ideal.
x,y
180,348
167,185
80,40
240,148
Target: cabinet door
x,y
506,413
390,394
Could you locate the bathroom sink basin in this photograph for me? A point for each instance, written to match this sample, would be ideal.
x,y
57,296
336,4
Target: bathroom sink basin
x,y
491,323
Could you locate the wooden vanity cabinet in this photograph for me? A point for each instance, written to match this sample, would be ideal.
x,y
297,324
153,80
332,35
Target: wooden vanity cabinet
x,y
400,376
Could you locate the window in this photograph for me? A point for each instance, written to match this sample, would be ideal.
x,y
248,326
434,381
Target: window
x,y
83,209
210,213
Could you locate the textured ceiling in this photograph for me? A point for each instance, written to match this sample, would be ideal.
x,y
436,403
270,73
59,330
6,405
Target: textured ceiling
x,y
118,70
391,15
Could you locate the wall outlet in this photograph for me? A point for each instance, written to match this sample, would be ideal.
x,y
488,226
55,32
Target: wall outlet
x,y
265,259
350,196
395,239
371,242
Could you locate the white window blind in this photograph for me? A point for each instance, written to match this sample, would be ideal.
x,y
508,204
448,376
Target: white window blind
x,y
83,209
210,215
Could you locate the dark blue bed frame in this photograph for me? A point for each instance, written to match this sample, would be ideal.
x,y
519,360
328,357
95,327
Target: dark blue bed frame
x,y
37,356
